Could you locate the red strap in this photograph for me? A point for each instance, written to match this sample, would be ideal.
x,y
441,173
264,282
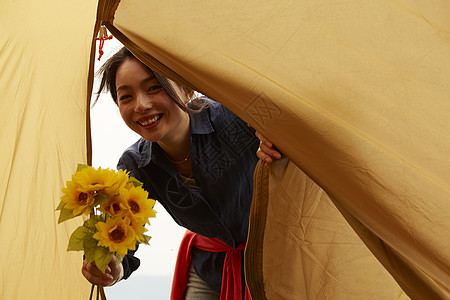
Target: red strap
x,y
181,275
231,278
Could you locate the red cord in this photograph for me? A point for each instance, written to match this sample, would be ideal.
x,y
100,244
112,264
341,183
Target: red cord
x,y
102,37
102,42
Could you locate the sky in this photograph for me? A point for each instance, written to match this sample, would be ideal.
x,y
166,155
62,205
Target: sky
x,y
110,138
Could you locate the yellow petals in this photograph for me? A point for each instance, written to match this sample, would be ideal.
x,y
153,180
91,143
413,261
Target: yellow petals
x,y
77,198
136,201
105,180
116,235
114,206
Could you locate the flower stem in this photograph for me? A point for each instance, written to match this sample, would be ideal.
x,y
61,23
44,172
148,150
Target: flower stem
x,y
92,291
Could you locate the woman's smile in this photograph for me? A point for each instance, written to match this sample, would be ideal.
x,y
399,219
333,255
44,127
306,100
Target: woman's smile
x,y
150,121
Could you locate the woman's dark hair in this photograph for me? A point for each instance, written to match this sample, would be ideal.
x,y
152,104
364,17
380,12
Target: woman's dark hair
x,y
108,73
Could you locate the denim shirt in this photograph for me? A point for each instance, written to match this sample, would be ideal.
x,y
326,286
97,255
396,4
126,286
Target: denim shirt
x,y
223,159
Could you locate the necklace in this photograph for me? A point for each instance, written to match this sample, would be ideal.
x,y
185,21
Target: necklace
x,y
178,162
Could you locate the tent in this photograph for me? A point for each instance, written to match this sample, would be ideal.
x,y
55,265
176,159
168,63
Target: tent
x,y
355,93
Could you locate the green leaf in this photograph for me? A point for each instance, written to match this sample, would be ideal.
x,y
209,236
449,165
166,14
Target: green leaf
x,y
81,167
60,205
77,238
102,258
65,214
90,223
146,239
102,217
135,182
100,198
90,245
119,259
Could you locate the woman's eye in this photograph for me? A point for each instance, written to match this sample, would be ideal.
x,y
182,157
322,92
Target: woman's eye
x,y
124,97
153,88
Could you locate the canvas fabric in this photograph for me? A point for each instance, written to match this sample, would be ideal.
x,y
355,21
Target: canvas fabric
x,y
354,93
45,54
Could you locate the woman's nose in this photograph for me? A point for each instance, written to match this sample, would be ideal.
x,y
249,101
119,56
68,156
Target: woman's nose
x,y
143,103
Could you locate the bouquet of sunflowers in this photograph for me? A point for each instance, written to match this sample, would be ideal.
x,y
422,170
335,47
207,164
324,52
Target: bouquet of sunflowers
x,y
118,209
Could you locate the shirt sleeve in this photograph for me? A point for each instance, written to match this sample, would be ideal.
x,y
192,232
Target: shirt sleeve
x,y
130,263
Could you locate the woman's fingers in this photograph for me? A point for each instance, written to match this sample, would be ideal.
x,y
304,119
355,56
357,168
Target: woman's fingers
x,y
261,155
95,276
263,139
266,151
267,154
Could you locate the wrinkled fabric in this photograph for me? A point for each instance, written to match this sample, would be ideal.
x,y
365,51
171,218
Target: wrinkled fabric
x,y
308,249
44,65
354,93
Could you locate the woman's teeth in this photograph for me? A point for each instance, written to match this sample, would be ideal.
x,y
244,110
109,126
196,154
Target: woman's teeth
x,y
150,121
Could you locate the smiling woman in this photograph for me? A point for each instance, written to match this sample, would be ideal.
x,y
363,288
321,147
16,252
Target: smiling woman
x,y
197,159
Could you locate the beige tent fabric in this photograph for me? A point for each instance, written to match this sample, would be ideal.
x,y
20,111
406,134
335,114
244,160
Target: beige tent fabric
x,y
308,249
354,92
44,65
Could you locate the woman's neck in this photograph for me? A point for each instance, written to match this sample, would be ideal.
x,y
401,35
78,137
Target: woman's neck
x,y
177,144
178,150
180,158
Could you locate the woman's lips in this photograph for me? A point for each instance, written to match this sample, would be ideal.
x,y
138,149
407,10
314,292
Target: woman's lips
x,y
150,121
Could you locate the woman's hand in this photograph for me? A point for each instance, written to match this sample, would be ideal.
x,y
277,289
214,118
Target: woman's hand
x,y
266,150
95,276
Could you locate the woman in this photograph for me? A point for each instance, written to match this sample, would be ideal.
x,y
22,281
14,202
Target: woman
x,y
197,159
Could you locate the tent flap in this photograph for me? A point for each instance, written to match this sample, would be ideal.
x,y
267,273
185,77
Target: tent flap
x,y
44,57
355,93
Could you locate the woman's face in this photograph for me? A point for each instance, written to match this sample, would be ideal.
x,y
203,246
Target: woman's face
x,y
145,106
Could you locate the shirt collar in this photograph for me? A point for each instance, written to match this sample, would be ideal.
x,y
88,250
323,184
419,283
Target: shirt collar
x,y
201,123
146,152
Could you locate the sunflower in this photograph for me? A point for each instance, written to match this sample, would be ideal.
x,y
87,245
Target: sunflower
x,y
138,227
77,198
105,180
114,206
136,201
116,235
119,180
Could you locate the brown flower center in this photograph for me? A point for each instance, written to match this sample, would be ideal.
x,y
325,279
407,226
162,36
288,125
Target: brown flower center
x,y
117,235
134,207
83,198
116,207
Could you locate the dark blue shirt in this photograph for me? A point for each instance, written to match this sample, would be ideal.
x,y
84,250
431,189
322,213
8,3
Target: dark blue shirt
x,y
223,159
